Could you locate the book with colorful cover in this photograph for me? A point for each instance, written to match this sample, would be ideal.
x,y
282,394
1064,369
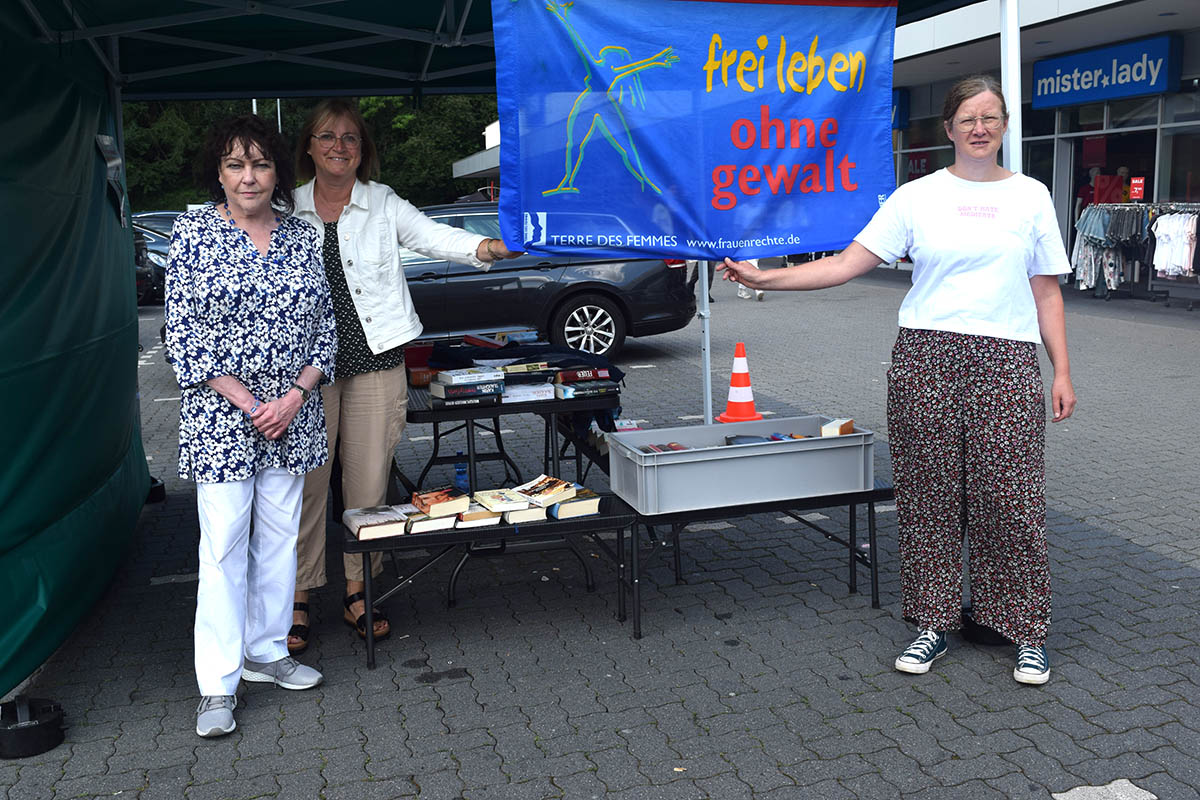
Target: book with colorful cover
x,y
500,499
448,391
423,523
568,391
375,522
584,502
581,374
546,490
441,501
527,393
468,375
531,514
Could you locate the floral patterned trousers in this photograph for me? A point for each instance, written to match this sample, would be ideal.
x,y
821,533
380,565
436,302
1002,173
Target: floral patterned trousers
x,y
966,425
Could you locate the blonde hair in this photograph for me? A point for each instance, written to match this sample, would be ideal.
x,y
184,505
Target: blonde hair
x,y
332,108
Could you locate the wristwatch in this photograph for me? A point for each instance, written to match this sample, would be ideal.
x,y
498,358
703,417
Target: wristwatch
x,y
303,392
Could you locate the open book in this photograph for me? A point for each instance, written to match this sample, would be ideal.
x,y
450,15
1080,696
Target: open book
x,y
546,490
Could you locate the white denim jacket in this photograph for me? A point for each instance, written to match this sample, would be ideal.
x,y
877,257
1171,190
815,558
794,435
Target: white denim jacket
x,y
371,228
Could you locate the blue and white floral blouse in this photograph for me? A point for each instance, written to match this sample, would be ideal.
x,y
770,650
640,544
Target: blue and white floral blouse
x,y
261,319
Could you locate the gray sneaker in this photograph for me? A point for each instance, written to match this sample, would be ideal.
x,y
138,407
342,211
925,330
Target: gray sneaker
x,y
214,715
286,673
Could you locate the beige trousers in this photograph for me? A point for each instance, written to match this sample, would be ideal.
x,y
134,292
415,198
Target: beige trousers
x,y
364,416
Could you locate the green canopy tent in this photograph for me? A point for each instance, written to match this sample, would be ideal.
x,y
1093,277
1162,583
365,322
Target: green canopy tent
x,y
74,477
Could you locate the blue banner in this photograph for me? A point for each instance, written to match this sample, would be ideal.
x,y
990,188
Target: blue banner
x,y
1147,66
687,128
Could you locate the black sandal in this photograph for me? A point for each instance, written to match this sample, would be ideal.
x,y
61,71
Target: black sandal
x,y
360,624
298,631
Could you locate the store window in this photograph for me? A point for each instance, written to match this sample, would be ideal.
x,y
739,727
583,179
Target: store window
x,y
925,132
918,164
1179,169
1037,123
1038,158
1083,118
1185,106
1135,112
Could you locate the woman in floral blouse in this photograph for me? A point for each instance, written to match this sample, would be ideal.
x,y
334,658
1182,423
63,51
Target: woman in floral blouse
x,y
251,333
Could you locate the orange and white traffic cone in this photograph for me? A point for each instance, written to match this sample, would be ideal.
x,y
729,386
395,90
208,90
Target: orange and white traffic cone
x,y
740,407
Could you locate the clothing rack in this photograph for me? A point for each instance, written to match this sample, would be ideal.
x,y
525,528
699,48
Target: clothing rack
x,y
1165,289
1178,288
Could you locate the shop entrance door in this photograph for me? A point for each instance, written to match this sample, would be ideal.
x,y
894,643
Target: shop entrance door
x,y
1104,163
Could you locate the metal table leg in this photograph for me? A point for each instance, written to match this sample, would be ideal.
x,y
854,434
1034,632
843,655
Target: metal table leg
x,y
874,555
853,549
437,441
573,546
369,597
634,570
621,586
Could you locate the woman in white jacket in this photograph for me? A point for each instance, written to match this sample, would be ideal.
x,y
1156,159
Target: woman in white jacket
x,y
363,225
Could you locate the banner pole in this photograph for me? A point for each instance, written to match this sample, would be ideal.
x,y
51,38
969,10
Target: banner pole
x,y
705,354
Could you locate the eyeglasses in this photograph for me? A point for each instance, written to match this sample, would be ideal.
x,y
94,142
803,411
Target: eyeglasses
x,y
967,124
351,141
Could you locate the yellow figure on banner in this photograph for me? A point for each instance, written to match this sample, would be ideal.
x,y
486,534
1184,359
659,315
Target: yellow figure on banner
x,y
618,74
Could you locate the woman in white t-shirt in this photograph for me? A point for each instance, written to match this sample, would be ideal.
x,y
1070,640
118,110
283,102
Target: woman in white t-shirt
x,y
966,404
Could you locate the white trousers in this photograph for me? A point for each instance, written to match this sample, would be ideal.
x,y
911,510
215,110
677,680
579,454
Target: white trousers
x,y
244,603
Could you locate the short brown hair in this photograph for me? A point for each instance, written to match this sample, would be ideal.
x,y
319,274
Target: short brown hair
x,y
248,131
330,108
968,87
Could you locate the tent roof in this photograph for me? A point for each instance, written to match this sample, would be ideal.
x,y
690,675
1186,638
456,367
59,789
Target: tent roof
x,y
192,49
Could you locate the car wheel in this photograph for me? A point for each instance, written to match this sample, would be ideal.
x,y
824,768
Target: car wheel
x,y
591,323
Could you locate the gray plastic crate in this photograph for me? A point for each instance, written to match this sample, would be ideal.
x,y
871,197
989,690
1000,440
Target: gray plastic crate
x,y
711,474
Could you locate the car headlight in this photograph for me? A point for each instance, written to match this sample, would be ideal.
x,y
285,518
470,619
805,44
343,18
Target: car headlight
x,y
158,259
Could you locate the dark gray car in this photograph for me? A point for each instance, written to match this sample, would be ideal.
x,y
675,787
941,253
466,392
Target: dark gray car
x,y
589,303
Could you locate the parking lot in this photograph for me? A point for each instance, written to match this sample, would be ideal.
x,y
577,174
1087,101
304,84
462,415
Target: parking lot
x,y
761,677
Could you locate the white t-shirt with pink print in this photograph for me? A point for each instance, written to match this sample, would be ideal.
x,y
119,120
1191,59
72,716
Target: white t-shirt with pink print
x,y
974,246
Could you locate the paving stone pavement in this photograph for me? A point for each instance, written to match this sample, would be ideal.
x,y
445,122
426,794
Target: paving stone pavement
x,y
761,677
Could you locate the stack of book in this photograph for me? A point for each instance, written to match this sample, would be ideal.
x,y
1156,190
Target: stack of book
x,y
542,496
477,515
437,509
469,386
584,382
512,506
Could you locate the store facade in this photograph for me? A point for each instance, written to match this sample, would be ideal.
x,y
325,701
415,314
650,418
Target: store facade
x,y
1096,127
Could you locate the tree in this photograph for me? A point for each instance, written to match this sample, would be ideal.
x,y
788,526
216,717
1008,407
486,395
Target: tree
x,y
418,142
